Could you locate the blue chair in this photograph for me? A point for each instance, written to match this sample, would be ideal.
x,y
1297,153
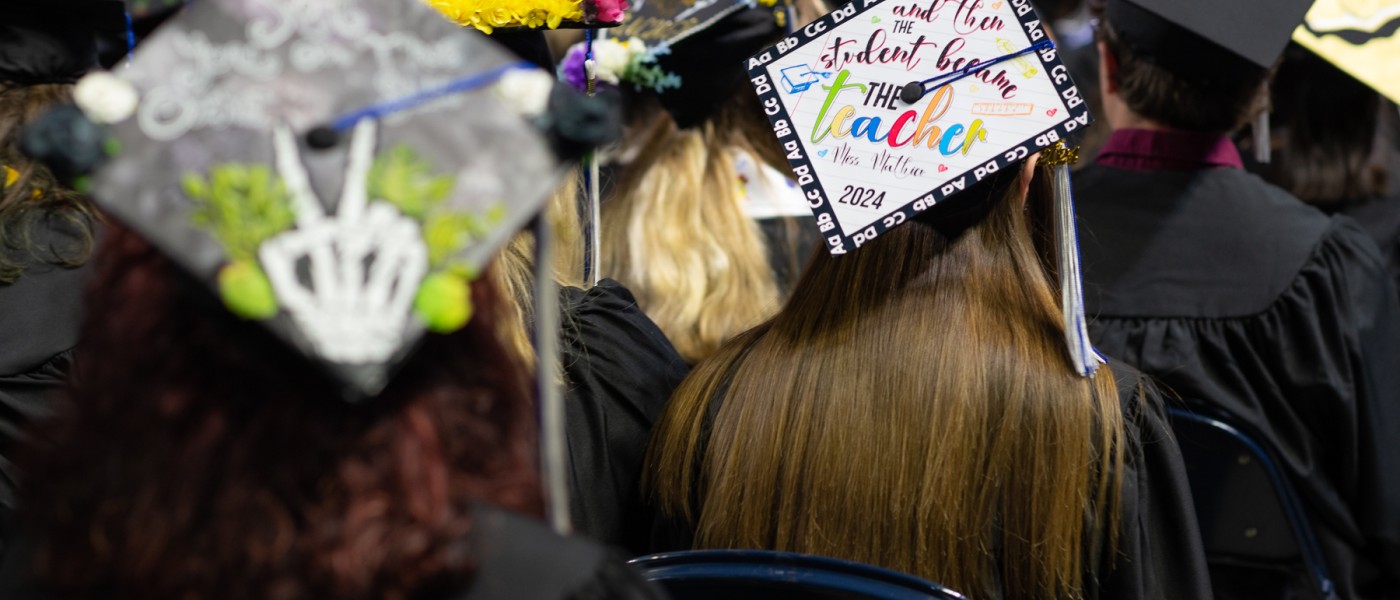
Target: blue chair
x,y
1251,518
768,575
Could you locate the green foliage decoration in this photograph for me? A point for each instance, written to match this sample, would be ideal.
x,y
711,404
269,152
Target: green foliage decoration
x,y
242,206
402,178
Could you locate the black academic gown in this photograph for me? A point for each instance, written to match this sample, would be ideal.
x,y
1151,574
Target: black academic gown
x,y
1157,557
1380,217
619,370
40,314
516,558
1233,293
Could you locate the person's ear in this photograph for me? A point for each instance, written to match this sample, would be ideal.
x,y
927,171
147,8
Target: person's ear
x,y
1108,69
1027,174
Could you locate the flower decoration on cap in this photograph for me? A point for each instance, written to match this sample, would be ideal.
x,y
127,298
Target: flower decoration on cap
x,y
105,98
615,62
490,15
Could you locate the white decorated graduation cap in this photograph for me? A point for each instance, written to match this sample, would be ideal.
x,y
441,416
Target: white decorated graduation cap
x,y
1207,37
1359,38
338,171
490,15
887,109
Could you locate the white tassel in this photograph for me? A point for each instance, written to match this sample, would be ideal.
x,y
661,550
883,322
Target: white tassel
x,y
1263,142
1082,354
554,443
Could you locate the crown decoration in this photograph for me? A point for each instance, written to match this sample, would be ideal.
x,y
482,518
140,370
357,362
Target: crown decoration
x,y
350,280
489,15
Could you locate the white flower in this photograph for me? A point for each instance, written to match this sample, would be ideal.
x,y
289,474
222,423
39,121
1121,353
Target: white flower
x,y
525,90
636,46
612,59
105,98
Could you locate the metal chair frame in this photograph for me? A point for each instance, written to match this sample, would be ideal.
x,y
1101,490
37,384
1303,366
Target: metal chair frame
x,y
766,569
1292,505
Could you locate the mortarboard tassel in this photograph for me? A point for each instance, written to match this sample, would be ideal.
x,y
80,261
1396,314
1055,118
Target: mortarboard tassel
x,y
1263,149
1086,360
589,204
554,457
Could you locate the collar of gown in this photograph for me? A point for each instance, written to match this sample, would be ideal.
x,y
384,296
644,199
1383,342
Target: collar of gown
x,y
1165,150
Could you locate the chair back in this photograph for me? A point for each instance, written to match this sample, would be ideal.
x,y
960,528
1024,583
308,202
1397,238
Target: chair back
x,y
1250,517
769,575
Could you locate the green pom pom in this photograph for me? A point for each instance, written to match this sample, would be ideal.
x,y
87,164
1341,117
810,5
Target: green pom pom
x,y
444,302
246,291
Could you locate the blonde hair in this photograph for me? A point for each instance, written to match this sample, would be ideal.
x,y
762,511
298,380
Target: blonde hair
x,y
514,272
675,232
912,407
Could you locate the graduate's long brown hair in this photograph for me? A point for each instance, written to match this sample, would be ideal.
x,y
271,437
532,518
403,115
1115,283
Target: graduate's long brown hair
x,y
914,407
201,459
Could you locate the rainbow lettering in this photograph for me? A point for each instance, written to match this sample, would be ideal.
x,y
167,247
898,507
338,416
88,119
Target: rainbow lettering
x,y
845,122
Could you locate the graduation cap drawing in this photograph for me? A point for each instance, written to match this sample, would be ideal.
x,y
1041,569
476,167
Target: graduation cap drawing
x,y
332,170
922,103
490,15
1359,37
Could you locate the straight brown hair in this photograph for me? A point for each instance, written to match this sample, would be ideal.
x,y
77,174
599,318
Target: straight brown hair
x,y
913,407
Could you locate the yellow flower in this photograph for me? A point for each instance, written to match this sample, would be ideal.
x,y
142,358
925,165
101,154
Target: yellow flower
x,y
487,15
11,176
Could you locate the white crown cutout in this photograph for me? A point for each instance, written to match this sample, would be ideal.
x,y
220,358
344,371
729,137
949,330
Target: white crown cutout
x,y
365,262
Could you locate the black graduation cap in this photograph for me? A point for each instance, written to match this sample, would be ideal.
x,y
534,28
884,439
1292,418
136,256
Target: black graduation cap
x,y
687,52
352,245
661,23
1208,36
57,41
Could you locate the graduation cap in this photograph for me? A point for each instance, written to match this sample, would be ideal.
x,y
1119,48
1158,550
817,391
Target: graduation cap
x,y
334,171
686,52
490,15
1359,38
57,41
1207,37
887,110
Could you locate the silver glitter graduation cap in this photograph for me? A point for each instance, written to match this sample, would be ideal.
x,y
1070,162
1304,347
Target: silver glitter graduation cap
x,y
337,170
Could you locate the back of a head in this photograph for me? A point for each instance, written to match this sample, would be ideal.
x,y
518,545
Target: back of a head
x,y
44,48
1175,77
201,457
675,231
921,380
1336,133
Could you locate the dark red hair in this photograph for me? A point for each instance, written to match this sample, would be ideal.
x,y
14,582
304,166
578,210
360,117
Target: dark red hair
x,y
200,458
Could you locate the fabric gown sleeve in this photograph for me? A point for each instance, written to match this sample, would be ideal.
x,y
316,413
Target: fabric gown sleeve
x,y
620,369
1374,310
1160,556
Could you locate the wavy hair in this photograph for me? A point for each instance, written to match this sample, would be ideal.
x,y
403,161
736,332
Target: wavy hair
x,y
914,407
35,199
201,458
675,232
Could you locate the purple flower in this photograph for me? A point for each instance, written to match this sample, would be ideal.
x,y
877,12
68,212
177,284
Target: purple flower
x,y
572,69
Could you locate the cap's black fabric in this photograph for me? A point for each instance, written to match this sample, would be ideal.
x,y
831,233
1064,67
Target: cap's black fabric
x,y
56,41
528,44
710,63
1208,36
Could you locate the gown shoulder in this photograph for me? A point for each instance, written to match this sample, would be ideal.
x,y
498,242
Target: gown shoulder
x,y
619,370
